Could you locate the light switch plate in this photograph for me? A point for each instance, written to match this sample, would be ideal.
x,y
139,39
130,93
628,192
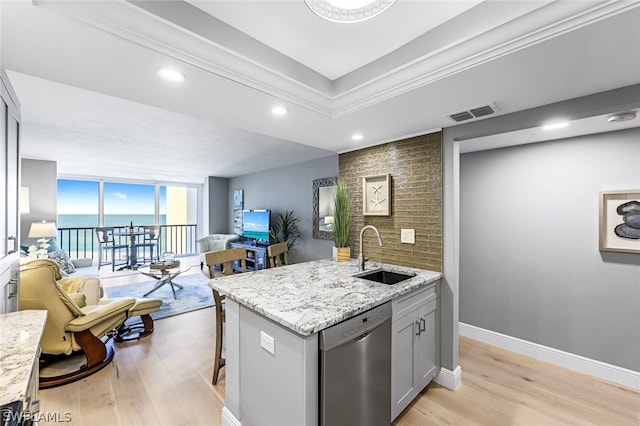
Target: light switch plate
x,y
267,343
408,236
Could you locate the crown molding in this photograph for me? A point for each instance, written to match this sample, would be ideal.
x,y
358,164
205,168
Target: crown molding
x,y
285,80
535,27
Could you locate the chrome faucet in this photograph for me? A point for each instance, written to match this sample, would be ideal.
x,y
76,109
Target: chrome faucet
x,y
361,259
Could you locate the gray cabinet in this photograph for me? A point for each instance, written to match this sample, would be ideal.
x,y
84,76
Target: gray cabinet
x,y
414,350
9,184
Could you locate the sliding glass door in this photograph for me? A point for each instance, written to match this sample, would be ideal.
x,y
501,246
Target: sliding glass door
x,y
86,204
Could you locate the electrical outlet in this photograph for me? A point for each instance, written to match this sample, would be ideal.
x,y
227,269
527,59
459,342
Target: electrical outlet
x,y
408,236
267,343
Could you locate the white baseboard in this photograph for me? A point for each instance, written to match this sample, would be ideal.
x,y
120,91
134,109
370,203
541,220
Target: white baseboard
x,y
449,379
228,419
592,367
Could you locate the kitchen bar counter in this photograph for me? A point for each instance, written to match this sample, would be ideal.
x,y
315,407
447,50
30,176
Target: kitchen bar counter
x,y
273,320
311,296
20,334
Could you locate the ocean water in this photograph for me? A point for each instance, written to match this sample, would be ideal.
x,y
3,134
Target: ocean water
x,y
91,220
258,235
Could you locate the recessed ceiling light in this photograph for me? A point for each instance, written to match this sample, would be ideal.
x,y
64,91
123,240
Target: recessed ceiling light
x,y
348,11
170,74
555,125
357,137
280,111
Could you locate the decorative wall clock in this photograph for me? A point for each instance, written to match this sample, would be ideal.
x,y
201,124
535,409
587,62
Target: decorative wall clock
x,y
376,195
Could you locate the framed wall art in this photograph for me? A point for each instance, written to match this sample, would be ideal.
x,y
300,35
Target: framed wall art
x,y
620,221
238,205
376,195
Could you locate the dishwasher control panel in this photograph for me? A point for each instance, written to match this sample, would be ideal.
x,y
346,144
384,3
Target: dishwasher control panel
x,y
354,327
367,322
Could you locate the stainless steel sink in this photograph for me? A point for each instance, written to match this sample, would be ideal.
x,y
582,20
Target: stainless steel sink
x,y
384,276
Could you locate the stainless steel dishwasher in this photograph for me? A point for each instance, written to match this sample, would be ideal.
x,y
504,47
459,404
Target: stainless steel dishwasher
x,y
355,370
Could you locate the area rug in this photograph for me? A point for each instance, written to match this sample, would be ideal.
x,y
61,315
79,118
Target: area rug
x,y
195,295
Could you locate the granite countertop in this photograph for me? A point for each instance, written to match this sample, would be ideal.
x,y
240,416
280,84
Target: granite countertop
x,y
20,334
311,296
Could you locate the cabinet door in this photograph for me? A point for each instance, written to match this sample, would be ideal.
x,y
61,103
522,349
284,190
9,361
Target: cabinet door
x,y
425,362
403,380
13,167
3,177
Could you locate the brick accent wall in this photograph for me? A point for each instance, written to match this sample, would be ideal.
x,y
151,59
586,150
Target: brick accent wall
x,y
415,166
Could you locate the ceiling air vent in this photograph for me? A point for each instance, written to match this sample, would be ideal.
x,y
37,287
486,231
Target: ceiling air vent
x,y
461,116
474,113
482,111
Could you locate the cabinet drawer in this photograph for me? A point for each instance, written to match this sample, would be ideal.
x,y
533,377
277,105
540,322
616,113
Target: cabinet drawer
x,y
409,302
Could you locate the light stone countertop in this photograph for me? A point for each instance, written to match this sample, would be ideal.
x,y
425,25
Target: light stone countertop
x,y
20,334
311,296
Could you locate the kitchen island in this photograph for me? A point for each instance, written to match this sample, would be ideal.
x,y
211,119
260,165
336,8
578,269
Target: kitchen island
x,y
273,317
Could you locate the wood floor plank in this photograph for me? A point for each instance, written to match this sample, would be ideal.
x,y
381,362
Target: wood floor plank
x,y
165,379
503,388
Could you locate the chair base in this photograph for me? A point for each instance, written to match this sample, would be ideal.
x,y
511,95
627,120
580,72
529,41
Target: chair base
x,y
81,373
135,330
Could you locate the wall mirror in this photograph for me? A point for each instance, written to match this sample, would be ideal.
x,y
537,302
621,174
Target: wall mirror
x,y
323,193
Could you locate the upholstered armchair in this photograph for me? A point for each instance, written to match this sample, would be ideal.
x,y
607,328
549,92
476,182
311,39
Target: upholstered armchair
x,y
73,325
214,242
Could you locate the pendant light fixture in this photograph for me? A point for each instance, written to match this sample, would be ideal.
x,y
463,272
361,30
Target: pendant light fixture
x,y
348,11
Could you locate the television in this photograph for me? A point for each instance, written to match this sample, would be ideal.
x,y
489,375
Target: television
x,y
255,225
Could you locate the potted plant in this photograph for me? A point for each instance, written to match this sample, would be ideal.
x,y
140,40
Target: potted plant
x,y
341,223
285,229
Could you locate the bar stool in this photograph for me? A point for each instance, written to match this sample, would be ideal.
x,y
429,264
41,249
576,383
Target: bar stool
x,y
224,258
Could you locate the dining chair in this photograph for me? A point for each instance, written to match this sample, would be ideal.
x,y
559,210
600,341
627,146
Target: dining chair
x,y
151,241
106,241
278,254
230,261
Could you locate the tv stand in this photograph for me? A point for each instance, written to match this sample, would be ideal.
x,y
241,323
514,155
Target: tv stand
x,y
256,254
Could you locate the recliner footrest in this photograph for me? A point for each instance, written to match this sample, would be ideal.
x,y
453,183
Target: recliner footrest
x,y
145,306
133,329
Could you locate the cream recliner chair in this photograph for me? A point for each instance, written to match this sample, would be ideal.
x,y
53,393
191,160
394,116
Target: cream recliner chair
x,y
72,325
87,290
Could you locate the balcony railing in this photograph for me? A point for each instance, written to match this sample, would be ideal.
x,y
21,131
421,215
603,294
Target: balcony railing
x,y
83,242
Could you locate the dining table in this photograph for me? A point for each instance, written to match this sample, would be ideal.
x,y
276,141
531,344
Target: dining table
x,y
132,258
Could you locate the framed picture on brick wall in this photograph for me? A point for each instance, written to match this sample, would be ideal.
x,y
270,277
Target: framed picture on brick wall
x,y
376,195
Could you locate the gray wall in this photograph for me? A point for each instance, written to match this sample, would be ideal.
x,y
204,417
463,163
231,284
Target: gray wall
x,y
529,260
41,177
218,206
289,188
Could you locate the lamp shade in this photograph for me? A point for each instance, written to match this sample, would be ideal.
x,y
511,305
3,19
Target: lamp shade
x,y
43,229
24,200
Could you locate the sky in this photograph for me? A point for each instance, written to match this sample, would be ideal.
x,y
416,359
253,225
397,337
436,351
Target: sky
x,y
81,197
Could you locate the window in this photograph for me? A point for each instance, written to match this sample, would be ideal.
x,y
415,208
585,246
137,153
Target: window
x,y
85,204
127,203
78,204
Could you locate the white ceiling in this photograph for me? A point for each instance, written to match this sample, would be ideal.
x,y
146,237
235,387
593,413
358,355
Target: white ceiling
x,y
337,49
85,75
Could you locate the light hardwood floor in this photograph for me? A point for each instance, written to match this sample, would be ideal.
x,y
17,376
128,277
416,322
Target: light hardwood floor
x,y
164,379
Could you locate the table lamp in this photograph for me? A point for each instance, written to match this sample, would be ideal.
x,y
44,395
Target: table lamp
x,y
43,231
328,221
